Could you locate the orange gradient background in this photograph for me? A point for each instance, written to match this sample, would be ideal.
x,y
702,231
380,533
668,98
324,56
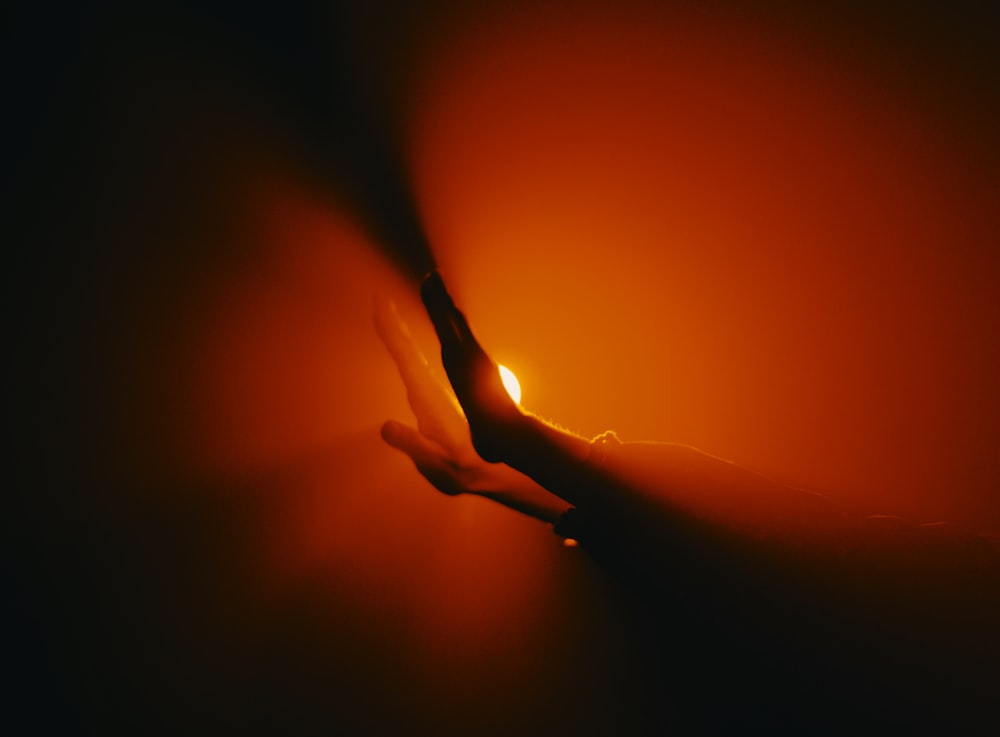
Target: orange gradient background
x,y
707,232
677,227
755,234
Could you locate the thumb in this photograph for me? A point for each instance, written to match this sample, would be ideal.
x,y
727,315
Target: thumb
x,y
427,456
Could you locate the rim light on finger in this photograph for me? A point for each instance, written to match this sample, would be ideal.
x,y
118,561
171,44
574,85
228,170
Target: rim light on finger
x,y
510,383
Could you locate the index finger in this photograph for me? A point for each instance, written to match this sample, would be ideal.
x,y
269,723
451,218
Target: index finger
x,y
396,337
428,398
450,324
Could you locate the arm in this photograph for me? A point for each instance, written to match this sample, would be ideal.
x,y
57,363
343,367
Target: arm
x,y
648,484
729,558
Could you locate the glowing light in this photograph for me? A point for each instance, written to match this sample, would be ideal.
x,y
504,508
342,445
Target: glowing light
x,y
510,383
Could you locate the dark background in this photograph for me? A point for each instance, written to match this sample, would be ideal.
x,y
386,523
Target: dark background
x,y
166,572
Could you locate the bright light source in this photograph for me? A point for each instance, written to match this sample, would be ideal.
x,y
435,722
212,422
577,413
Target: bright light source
x,y
511,384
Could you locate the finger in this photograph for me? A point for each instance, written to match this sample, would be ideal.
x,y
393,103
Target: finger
x,y
426,455
449,323
429,400
410,441
461,353
397,339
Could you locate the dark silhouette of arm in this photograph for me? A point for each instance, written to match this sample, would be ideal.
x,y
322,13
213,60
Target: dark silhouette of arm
x,y
778,592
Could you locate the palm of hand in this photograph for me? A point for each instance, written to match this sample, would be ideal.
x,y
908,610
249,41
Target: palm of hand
x,y
440,445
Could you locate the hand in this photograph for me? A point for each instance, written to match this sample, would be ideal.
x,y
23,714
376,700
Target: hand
x,y
441,446
494,418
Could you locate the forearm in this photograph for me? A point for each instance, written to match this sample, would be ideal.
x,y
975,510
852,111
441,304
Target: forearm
x,y
681,480
513,489
555,459
644,484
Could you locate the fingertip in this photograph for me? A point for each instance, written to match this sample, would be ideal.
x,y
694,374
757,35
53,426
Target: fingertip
x,y
433,292
449,322
391,432
408,440
432,278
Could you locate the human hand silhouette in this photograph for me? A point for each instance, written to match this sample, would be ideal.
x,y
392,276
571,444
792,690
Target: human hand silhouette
x,y
441,446
495,420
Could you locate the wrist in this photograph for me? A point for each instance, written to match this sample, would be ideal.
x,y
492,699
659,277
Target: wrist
x,y
503,440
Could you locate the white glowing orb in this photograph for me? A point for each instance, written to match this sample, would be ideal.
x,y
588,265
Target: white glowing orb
x,y
511,384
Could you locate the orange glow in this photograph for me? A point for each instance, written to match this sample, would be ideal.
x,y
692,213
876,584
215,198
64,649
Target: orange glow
x,y
680,221
510,383
267,386
735,233
287,383
725,251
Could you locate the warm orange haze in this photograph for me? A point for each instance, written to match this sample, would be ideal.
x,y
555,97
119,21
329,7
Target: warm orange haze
x,y
770,233
687,228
